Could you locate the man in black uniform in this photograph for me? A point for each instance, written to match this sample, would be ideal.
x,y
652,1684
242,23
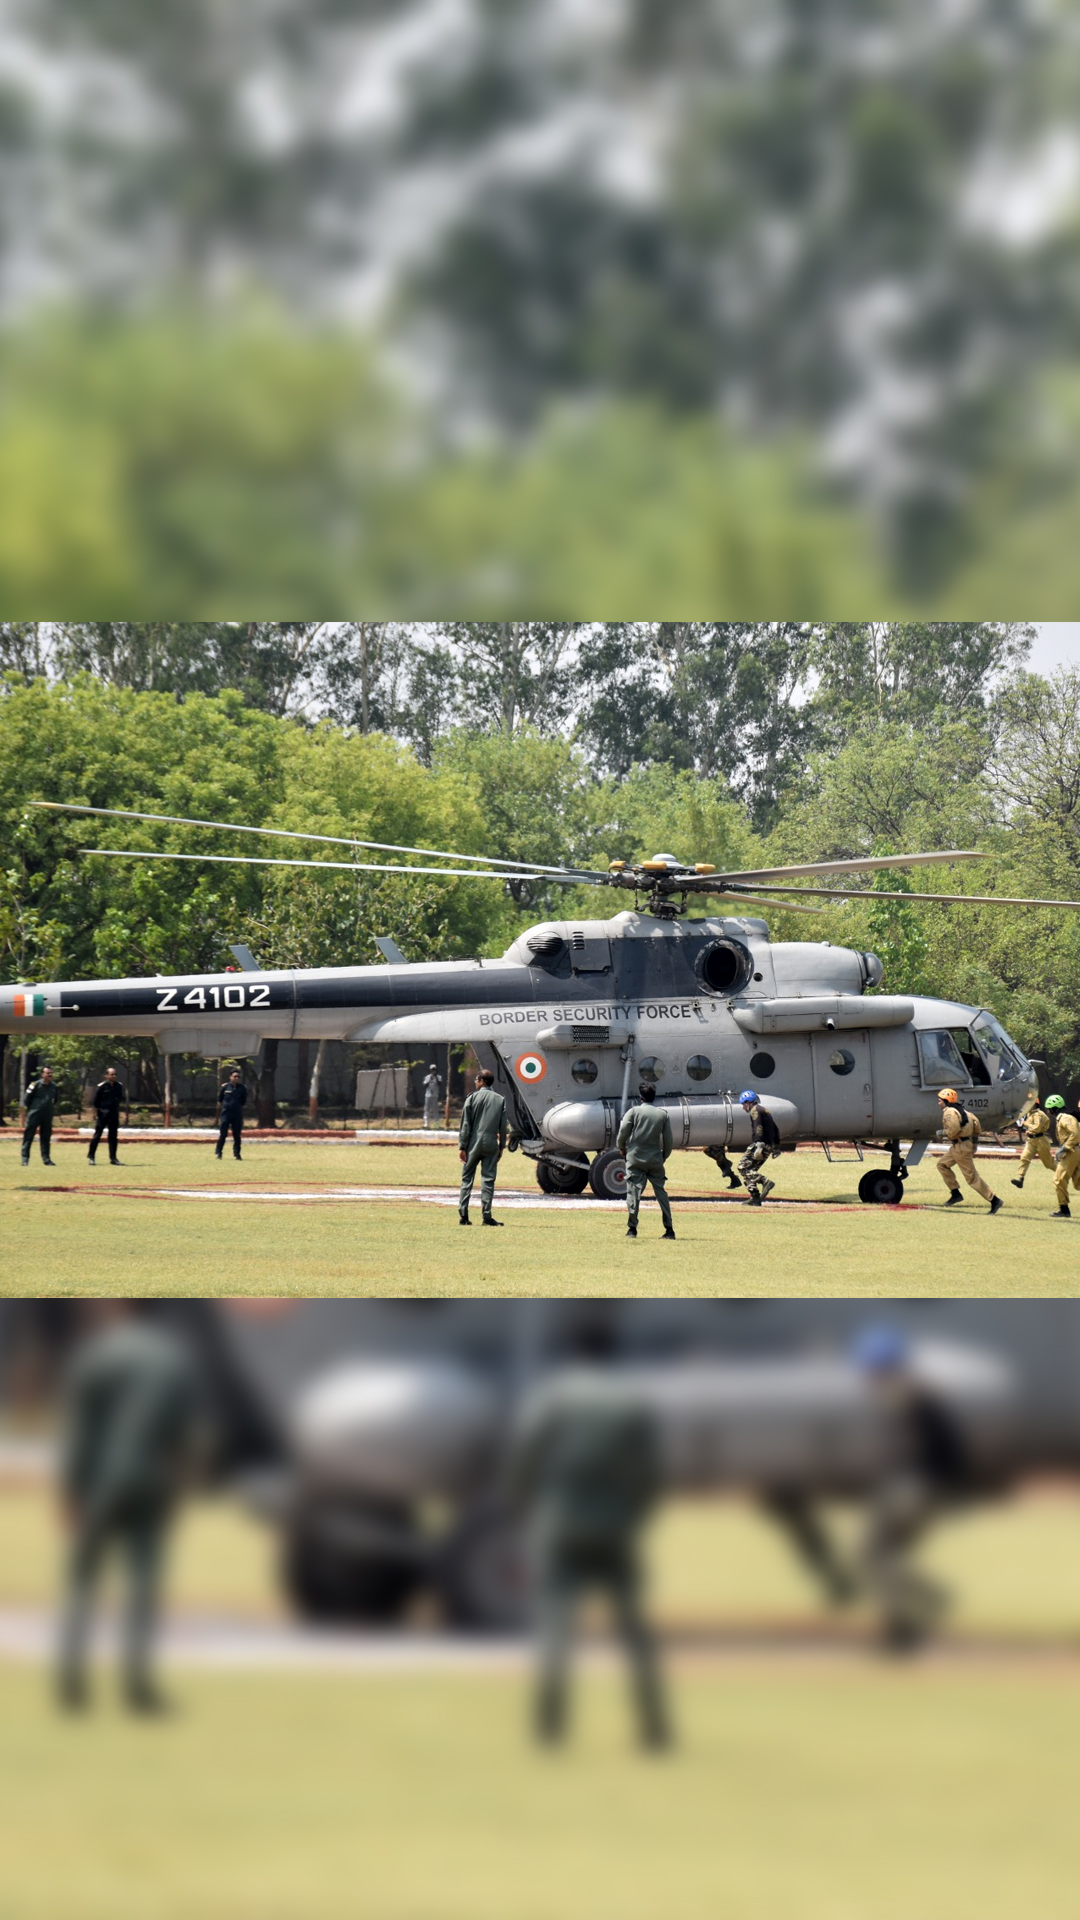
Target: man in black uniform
x,y
231,1097
39,1104
925,1471
108,1100
129,1445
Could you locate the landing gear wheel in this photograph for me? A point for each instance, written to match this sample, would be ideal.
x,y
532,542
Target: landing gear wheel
x,y
328,1578
881,1188
482,1573
552,1178
607,1175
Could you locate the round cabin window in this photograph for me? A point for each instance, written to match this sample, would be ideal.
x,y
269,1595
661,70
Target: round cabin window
x,y
584,1072
651,1069
699,1066
842,1061
762,1065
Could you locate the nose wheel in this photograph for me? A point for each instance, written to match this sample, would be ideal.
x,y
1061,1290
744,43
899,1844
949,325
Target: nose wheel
x,y
607,1175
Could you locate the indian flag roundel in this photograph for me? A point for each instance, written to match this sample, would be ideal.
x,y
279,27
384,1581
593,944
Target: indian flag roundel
x,y
530,1066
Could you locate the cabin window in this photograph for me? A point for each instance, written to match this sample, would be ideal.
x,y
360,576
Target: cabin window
x,y
584,1072
841,1061
651,1069
762,1065
699,1066
942,1064
1002,1060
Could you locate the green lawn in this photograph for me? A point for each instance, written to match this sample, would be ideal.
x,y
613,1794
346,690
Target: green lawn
x,y
97,1241
802,1792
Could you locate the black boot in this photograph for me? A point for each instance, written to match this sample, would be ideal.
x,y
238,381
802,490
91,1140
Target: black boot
x,y
1063,1213
1018,1184
734,1181
996,1203
463,1218
955,1199
489,1220
631,1232
668,1233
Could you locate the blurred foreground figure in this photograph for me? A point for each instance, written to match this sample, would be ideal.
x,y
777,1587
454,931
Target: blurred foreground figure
x,y
585,1466
129,1446
926,1471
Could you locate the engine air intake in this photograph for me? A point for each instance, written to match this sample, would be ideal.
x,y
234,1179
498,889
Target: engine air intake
x,y
724,966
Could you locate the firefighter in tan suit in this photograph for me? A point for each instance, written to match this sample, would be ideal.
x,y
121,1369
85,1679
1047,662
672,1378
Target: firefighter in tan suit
x,y
961,1130
1067,1157
1035,1122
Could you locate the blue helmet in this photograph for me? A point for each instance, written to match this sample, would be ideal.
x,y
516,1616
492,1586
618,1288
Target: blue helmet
x,y
749,1098
879,1349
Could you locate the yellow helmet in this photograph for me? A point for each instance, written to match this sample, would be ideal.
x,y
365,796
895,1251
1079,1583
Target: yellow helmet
x,y
948,1097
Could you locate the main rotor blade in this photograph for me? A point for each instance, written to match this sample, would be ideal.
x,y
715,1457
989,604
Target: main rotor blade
x,y
758,900
331,866
851,866
947,899
287,833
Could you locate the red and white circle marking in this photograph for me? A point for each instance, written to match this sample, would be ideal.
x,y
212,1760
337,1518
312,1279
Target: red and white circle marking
x,y
530,1067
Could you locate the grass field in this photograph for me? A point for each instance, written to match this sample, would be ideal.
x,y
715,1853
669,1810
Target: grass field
x,y
99,1240
802,1788
805,1793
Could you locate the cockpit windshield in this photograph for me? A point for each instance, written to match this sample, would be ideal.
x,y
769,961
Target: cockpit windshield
x,y
1003,1059
942,1065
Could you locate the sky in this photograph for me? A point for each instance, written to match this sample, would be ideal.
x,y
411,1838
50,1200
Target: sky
x,y
1057,645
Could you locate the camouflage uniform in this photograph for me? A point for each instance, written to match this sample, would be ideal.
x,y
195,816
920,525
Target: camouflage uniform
x,y
130,1421
586,1466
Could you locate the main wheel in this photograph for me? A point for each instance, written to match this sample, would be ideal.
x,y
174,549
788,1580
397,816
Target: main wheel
x,y
482,1575
330,1575
555,1178
880,1188
607,1175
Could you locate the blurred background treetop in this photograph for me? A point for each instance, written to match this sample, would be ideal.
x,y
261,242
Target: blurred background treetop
x,y
627,308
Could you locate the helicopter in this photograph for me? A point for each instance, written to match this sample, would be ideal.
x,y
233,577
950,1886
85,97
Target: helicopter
x,y
577,1011
371,1440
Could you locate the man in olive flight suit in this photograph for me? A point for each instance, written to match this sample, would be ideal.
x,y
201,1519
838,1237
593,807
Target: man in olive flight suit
x,y
645,1140
129,1445
961,1130
1035,1123
1066,1157
585,1467
481,1142
108,1100
40,1104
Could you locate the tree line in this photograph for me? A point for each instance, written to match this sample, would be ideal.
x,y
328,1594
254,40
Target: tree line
x,y
740,744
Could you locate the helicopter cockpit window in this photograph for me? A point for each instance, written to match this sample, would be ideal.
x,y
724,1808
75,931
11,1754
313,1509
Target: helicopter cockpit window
x,y
971,1057
699,1066
651,1069
724,966
584,1072
1002,1059
841,1061
942,1065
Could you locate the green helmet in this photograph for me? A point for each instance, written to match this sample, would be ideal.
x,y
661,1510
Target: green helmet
x,y
1055,1103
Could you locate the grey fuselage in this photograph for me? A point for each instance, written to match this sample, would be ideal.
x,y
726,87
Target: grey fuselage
x,y
574,1012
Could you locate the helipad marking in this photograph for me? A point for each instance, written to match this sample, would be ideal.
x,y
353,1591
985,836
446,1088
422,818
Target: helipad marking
x,y
448,1197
